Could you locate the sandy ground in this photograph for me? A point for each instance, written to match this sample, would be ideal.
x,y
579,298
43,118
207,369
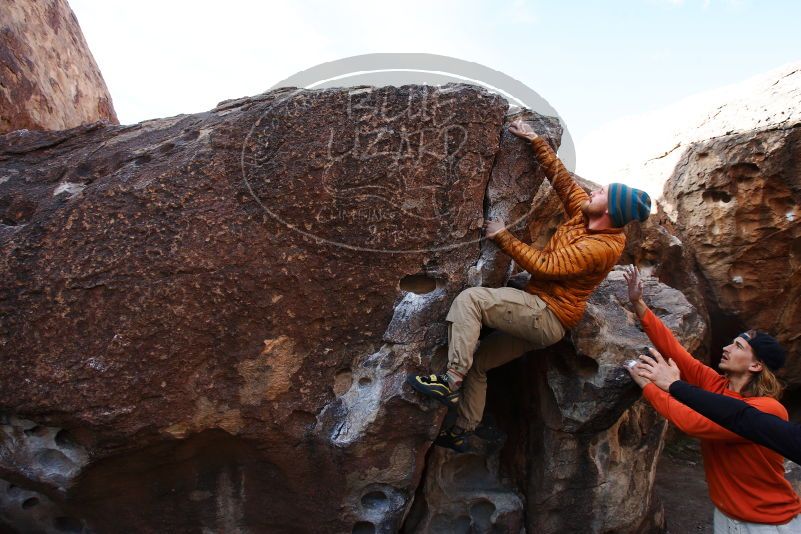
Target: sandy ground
x,y
681,487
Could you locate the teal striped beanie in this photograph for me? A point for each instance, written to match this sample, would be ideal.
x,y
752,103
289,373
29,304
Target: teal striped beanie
x,y
627,204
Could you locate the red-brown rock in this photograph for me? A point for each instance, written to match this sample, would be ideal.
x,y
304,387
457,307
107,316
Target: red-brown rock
x,y
211,317
734,201
48,78
217,305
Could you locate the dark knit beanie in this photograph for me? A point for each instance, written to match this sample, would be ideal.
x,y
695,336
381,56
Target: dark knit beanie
x,y
767,350
627,204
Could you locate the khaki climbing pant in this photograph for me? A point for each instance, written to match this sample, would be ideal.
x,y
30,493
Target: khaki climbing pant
x,y
522,322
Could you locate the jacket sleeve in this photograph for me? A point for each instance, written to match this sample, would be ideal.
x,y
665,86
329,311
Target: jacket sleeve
x,y
570,193
688,421
692,370
767,429
588,255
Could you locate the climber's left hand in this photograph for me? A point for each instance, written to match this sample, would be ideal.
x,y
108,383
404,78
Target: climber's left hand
x,y
492,228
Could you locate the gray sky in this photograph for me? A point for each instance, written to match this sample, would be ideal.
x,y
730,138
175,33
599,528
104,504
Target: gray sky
x,y
593,61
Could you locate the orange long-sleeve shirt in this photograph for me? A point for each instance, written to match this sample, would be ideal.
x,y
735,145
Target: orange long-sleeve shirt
x,y
746,481
566,272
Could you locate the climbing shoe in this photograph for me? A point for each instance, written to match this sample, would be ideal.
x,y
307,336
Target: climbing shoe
x,y
452,439
436,387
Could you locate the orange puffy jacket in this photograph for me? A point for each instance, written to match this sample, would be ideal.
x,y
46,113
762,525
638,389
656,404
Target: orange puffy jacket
x,y
566,272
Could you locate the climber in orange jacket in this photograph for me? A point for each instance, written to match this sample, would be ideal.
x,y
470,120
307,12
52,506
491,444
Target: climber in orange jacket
x,y
564,274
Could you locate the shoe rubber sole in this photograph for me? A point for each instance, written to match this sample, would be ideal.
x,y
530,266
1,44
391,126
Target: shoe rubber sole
x,y
450,400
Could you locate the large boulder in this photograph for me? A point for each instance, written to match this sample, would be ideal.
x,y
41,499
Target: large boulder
x,y
734,201
48,77
211,317
215,313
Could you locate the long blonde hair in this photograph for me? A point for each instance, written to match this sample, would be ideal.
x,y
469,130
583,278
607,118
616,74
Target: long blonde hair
x,y
763,383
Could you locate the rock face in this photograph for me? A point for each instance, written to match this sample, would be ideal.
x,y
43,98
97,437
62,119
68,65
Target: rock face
x,y
579,452
211,317
48,78
657,251
734,201
612,458
225,305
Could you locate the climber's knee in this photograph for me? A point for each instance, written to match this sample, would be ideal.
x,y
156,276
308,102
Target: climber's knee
x,y
465,304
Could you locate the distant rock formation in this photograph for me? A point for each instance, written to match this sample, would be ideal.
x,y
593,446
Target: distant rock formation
x,y
215,313
48,78
644,149
734,202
